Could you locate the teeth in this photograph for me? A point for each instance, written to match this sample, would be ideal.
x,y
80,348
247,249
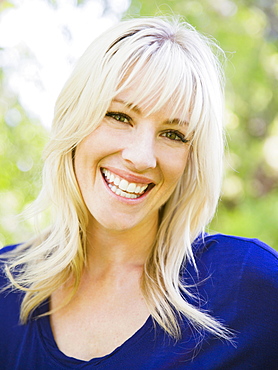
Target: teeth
x,y
131,188
122,187
117,181
137,190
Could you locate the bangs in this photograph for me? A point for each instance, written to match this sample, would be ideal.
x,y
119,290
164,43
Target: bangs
x,y
159,77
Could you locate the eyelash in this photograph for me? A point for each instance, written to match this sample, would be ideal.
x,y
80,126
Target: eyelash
x,y
117,116
178,134
121,117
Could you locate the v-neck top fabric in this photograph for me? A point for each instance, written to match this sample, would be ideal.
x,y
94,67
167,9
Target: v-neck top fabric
x,y
237,284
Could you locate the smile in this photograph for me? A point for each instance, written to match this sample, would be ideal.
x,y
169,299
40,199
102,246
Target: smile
x,y
122,187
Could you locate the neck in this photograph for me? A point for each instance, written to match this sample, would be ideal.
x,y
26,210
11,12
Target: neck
x,y
108,249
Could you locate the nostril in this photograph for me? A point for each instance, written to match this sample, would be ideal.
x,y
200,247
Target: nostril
x,y
142,158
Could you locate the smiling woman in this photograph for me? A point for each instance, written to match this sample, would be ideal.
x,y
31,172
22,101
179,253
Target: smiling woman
x,y
148,152
125,276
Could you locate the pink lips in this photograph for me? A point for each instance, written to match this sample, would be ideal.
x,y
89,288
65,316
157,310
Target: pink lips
x,y
130,177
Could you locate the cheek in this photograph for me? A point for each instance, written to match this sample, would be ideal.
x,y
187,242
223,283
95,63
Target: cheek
x,y
85,165
89,152
175,166
80,173
99,144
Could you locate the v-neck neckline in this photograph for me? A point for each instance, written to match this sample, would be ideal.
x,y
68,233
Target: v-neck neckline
x,y
50,346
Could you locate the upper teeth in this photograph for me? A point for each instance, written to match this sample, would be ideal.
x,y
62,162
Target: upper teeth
x,y
123,187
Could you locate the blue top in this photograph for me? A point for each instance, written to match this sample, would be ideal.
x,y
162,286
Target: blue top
x,y
238,285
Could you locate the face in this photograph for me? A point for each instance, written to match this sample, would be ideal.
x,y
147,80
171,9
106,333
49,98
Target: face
x,y
130,165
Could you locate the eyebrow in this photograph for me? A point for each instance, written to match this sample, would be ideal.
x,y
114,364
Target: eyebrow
x,y
135,108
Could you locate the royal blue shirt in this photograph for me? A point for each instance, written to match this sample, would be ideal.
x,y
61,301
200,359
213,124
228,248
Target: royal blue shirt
x,y
237,283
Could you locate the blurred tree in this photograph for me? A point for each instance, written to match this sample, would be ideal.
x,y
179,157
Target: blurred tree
x,y
21,142
248,32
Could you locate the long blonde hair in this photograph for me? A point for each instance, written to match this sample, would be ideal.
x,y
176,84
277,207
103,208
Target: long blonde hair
x,y
180,66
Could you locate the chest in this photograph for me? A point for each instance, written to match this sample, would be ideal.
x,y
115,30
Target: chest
x,y
94,325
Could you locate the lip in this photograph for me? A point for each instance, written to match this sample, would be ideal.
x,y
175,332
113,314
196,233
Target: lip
x,y
129,176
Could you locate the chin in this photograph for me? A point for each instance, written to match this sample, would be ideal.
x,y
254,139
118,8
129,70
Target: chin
x,y
119,224
123,225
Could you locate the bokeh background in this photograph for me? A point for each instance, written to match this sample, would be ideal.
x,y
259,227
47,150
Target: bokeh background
x,y
41,39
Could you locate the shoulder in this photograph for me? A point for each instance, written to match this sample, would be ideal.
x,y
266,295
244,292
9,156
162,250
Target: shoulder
x,y
238,283
237,273
237,265
8,294
6,254
247,264
10,300
4,257
8,248
236,243
240,276
13,334
237,252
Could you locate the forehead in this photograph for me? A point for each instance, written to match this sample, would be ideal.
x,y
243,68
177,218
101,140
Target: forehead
x,y
128,98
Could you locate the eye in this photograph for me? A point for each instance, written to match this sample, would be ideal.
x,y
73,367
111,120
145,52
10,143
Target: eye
x,y
120,117
175,136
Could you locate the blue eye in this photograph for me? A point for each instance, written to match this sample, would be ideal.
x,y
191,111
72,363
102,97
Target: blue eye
x,y
120,117
175,136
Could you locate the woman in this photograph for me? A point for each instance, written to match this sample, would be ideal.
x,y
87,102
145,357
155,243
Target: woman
x,y
125,277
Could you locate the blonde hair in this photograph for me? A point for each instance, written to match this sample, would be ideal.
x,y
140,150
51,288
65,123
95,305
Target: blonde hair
x,y
180,66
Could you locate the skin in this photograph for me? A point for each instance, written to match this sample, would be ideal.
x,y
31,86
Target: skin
x,y
142,149
138,151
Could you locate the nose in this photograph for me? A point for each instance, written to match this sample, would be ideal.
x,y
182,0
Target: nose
x,y
139,152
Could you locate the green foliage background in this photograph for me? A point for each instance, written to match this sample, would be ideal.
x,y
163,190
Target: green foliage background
x,y
248,33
